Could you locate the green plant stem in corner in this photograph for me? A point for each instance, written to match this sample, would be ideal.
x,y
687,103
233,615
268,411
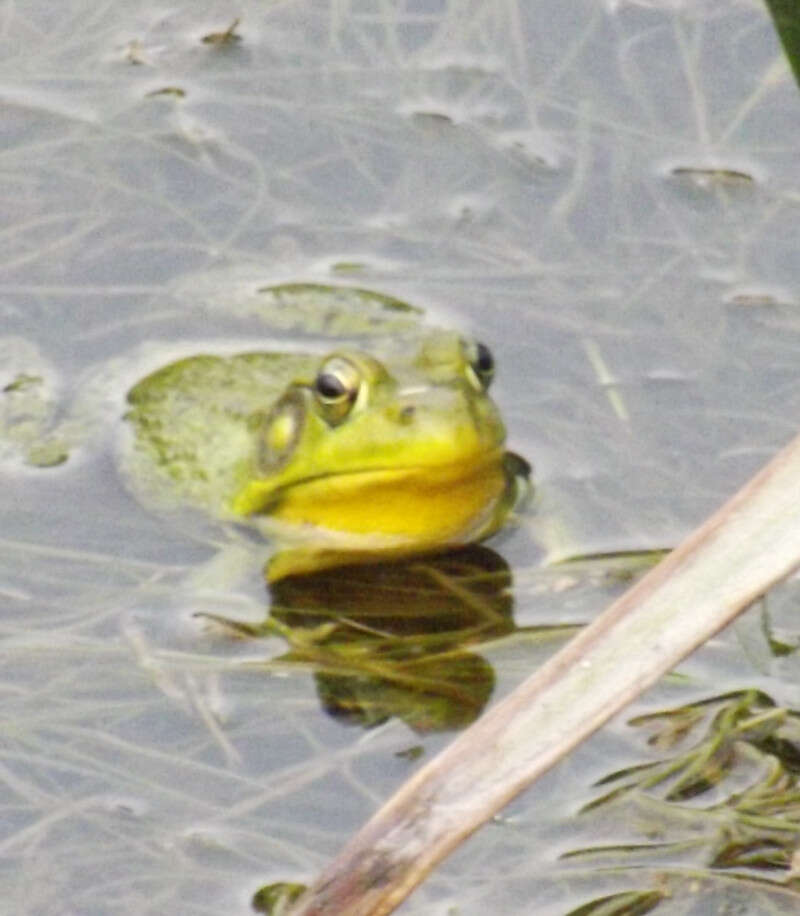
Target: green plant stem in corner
x,y
786,16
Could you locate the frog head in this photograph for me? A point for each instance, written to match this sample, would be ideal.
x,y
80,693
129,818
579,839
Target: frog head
x,y
367,458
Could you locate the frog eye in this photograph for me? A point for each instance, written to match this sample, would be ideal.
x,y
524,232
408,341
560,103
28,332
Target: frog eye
x,y
336,387
480,368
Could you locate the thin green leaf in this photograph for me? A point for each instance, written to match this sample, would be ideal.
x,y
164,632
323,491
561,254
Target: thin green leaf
x,y
786,16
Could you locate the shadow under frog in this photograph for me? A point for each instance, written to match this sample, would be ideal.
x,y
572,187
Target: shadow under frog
x,y
393,639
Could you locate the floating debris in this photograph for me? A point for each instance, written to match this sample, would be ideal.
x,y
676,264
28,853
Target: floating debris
x,y
134,53
703,177
754,299
228,37
437,118
168,90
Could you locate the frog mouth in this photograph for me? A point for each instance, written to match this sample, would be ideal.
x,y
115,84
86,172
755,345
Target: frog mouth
x,y
399,471
514,465
261,497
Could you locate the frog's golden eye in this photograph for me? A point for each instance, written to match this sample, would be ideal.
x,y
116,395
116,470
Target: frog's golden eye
x,y
336,388
480,366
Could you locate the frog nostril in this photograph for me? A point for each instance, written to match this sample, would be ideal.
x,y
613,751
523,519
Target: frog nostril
x,y
407,414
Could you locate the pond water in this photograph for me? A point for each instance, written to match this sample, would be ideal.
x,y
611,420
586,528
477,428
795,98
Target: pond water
x,y
607,194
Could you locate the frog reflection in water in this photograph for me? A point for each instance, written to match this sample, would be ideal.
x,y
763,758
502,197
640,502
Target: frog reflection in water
x,y
397,639
357,459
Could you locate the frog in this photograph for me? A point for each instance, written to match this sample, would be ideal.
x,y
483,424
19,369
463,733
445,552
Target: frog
x,y
372,447
357,456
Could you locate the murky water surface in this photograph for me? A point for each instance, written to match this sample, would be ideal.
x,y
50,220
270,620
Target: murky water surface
x,y
607,194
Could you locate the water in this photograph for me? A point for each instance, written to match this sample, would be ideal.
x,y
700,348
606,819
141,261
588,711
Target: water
x,y
604,193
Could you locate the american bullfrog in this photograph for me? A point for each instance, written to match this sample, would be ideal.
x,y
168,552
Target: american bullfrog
x,y
386,445
360,456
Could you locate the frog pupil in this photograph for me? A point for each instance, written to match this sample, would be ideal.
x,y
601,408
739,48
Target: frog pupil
x,y
484,361
330,387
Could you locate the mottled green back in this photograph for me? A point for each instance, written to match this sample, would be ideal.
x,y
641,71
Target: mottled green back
x,y
192,425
